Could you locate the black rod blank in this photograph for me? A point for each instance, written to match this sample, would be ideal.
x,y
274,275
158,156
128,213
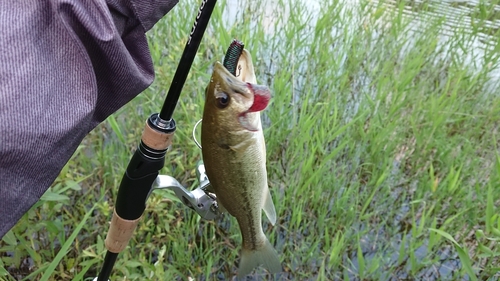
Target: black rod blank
x,y
109,262
166,113
197,31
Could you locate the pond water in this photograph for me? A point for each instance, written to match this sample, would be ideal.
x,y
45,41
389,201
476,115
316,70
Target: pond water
x,y
456,15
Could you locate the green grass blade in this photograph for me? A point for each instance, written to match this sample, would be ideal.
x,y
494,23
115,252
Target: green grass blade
x,y
64,249
116,128
462,254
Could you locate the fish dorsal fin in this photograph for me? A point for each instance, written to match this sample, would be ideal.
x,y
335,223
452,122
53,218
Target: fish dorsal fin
x,y
269,208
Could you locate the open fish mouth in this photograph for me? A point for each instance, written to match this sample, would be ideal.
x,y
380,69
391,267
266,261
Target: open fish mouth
x,y
261,95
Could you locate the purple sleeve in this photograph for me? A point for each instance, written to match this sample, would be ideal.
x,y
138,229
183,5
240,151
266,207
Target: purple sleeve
x,y
64,67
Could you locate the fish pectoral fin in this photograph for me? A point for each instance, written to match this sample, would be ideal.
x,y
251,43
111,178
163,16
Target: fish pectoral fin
x,y
269,208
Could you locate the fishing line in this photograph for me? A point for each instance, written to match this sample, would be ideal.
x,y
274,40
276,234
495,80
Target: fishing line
x,y
194,135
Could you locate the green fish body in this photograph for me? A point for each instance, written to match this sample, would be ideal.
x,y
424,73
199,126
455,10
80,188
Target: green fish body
x,y
234,154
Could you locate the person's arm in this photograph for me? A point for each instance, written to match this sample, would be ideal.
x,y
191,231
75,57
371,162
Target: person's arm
x,y
64,68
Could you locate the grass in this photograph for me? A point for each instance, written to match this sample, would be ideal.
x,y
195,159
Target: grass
x,y
383,154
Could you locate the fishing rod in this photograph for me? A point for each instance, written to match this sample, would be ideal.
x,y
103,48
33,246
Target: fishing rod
x,y
141,176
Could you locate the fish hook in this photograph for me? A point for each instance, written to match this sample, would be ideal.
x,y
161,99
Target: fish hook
x,y
239,69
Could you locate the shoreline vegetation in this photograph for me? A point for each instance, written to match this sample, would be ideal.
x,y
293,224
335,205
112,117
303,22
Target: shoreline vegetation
x,y
382,151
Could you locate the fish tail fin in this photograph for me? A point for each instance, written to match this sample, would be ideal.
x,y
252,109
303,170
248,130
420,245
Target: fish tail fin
x,y
266,256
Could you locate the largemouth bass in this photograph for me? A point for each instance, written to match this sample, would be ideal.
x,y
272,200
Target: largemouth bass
x,y
234,154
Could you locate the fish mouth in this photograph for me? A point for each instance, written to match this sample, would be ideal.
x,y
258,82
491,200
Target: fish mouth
x,y
261,95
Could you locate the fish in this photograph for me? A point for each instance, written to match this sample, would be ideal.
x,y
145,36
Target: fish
x,y
234,155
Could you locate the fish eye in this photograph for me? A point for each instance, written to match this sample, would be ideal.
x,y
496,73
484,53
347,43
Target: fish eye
x,y
222,100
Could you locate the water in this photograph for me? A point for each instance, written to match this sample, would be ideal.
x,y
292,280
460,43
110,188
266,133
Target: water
x,y
454,16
